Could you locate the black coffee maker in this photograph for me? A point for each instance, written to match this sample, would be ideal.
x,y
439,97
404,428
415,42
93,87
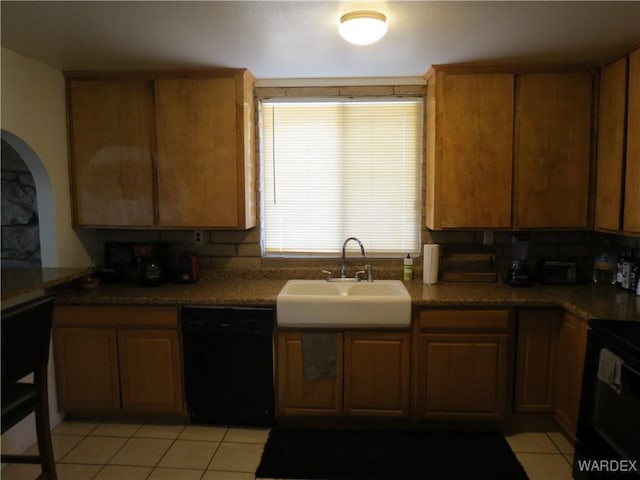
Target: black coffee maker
x,y
518,274
152,262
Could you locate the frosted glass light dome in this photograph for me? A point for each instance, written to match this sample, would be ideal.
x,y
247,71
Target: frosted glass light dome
x,y
363,27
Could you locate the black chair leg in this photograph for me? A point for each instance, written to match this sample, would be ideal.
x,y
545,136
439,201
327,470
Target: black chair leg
x,y
26,336
43,432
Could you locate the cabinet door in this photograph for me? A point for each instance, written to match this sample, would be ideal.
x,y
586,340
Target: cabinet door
x,y
111,141
632,178
87,369
376,374
553,150
298,395
200,152
462,376
150,371
536,359
610,146
472,154
572,343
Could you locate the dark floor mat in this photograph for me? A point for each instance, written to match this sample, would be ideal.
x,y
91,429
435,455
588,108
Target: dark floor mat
x,y
380,454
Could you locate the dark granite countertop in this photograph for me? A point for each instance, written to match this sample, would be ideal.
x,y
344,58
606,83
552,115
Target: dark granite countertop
x,y
261,289
586,301
24,281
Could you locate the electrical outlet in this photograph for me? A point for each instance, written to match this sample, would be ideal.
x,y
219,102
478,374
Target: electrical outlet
x,y
198,237
487,237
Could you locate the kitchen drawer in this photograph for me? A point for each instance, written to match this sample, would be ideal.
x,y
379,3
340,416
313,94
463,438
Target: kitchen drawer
x,y
115,316
491,320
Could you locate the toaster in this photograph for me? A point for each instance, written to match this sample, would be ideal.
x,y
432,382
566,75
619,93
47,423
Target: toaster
x,y
558,272
188,268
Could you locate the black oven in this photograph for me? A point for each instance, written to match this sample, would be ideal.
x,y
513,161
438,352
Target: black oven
x,y
608,445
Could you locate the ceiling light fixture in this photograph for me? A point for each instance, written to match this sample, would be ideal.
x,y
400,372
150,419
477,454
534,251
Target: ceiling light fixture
x,y
363,27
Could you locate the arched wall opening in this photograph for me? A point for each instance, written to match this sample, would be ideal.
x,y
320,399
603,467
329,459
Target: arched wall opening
x,y
22,435
44,197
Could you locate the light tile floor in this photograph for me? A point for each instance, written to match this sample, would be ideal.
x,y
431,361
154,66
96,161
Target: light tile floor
x,y
544,456
91,451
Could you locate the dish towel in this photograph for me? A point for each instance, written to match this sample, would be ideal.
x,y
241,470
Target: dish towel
x,y
610,369
319,355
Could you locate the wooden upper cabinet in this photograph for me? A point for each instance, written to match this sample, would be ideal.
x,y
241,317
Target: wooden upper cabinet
x,y
469,150
552,150
202,157
163,150
631,221
111,142
610,161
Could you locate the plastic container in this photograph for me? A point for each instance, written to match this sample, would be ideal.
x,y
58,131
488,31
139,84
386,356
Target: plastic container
x,y
604,269
627,266
634,276
407,271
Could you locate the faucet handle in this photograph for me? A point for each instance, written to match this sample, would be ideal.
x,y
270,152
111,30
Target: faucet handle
x,y
358,273
369,270
329,275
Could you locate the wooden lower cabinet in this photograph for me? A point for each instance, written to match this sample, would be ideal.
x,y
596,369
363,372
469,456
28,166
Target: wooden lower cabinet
x,y
461,365
372,376
537,349
87,369
150,371
298,395
110,360
376,374
572,344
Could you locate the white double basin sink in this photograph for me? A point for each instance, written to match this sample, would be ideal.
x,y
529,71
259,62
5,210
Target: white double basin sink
x,y
343,303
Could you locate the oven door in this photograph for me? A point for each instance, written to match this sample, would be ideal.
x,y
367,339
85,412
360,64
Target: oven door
x,y
609,423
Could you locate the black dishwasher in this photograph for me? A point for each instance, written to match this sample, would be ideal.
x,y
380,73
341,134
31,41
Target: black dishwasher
x,y
228,364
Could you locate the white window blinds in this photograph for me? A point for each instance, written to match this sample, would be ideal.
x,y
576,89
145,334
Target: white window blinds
x,y
335,169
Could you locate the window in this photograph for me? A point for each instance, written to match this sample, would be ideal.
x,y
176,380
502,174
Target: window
x,y
339,168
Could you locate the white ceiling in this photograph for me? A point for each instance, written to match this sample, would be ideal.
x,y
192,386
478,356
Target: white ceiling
x,y
299,39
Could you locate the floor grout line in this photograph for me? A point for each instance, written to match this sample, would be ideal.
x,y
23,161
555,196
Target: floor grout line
x,y
225,438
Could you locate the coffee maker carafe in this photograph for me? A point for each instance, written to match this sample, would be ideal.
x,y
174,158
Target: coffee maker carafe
x,y
152,260
518,275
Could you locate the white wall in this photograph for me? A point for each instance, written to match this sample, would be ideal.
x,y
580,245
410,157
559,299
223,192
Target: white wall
x,y
33,121
34,110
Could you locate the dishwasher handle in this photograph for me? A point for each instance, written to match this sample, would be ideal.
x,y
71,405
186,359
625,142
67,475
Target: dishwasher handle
x,y
242,320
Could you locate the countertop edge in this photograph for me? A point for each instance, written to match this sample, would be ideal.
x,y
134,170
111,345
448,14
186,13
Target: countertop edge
x,y
18,282
585,301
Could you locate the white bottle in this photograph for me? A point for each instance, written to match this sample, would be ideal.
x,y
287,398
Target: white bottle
x,y
407,272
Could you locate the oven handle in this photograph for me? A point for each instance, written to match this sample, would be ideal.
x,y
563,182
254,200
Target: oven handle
x,y
633,370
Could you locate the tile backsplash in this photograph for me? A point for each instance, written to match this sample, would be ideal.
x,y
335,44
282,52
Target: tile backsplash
x,y
242,249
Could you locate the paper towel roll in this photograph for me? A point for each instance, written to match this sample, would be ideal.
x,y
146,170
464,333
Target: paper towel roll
x,y
430,266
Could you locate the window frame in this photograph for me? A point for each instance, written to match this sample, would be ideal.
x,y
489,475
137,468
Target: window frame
x,y
333,94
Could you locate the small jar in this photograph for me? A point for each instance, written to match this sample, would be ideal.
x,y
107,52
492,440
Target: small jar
x,y
604,269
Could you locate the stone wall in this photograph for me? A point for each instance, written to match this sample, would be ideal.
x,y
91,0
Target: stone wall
x,y
20,231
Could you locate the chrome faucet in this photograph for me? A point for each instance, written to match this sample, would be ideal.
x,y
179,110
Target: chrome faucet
x,y
344,245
